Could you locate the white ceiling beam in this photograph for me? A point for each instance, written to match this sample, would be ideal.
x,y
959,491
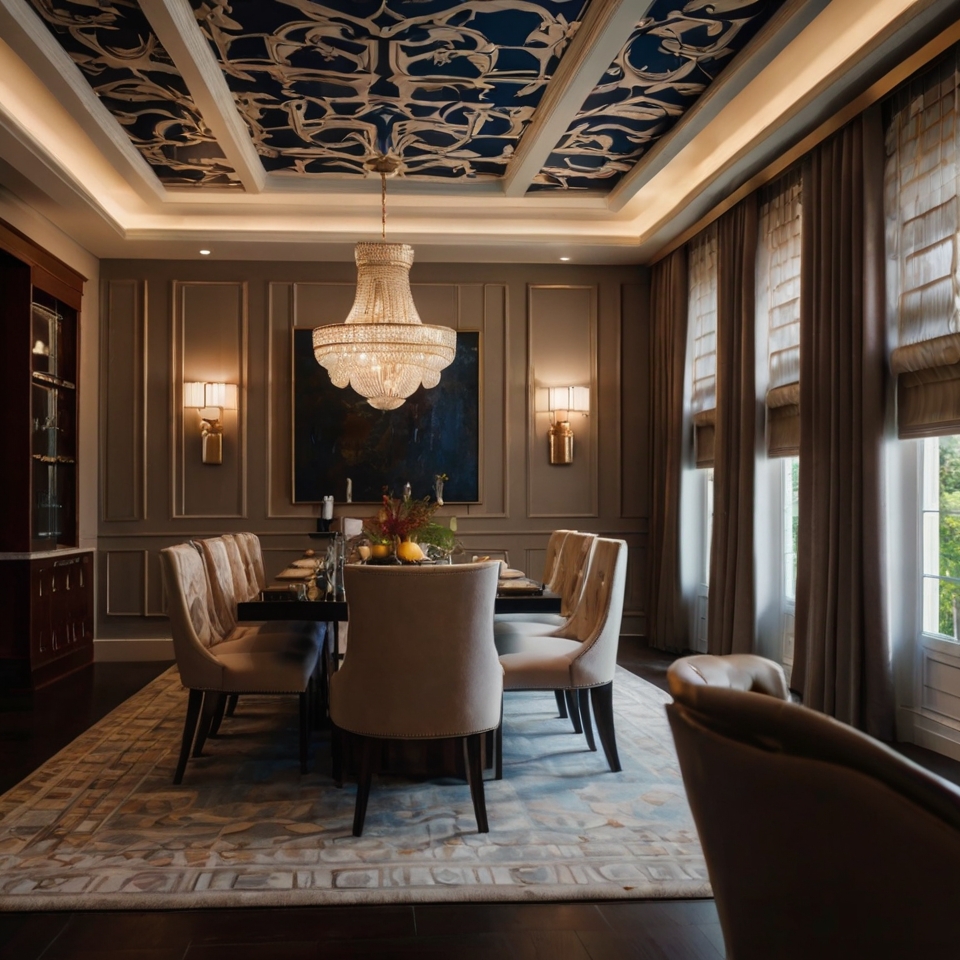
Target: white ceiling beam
x,y
602,34
30,40
177,30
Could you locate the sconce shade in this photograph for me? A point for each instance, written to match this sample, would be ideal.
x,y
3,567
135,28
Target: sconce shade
x,y
193,395
223,395
200,395
566,400
383,350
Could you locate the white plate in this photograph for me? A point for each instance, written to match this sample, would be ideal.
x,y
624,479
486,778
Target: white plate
x,y
511,574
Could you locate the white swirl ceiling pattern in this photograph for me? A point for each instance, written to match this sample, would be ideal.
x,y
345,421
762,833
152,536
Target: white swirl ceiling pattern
x,y
448,86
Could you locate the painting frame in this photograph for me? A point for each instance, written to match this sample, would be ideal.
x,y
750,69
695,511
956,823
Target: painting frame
x,y
336,434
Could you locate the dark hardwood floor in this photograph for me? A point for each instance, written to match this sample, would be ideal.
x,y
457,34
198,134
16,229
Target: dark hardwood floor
x,y
33,728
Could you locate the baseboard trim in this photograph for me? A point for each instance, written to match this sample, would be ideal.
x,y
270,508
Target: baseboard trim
x,y
115,651
926,731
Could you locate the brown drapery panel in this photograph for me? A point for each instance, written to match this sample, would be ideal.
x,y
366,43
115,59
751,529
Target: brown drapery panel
x,y
731,615
841,656
667,626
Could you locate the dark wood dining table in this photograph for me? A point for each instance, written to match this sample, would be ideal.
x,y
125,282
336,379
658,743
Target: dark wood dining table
x,y
336,611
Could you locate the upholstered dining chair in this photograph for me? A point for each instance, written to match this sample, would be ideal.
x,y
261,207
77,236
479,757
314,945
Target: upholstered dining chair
x,y
570,565
226,576
581,656
249,544
422,665
211,666
819,840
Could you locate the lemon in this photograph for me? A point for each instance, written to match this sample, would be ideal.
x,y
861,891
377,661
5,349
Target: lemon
x,y
409,552
380,550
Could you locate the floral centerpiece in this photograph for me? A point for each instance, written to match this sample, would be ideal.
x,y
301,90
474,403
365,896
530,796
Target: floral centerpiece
x,y
398,520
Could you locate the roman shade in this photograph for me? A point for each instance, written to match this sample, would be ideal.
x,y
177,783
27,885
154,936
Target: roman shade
x,y
702,317
779,265
923,222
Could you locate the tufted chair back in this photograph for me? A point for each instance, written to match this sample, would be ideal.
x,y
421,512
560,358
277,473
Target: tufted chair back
x,y
596,621
573,558
189,606
222,578
736,671
551,566
249,544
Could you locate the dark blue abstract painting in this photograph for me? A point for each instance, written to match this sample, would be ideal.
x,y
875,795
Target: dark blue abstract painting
x,y
338,435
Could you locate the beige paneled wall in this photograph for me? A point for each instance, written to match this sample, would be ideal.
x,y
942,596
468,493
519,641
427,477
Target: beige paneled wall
x,y
166,322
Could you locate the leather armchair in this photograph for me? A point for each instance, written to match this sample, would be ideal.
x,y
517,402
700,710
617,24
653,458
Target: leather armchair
x,y
820,842
422,664
736,671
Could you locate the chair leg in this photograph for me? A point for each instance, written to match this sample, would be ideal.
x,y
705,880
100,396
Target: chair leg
x,y
218,711
498,747
368,746
602,700
189,729
304,728
232,704
206,722
561,703
573,710
583,702
474,765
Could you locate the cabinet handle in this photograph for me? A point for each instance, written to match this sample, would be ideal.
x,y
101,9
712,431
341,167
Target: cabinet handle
x,y
68,580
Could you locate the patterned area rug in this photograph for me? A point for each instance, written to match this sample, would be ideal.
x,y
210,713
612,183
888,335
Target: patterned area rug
x,y
100,826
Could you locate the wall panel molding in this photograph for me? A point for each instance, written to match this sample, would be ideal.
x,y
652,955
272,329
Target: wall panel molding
x,y
210,343
123,425
562,351
125,582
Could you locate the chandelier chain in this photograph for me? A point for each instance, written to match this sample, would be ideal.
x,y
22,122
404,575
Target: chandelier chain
x,y
383,205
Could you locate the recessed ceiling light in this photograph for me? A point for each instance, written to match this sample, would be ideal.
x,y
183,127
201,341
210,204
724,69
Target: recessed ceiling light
x,y
564,258
204,253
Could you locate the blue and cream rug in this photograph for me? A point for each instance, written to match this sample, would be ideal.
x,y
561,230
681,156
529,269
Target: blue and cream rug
x,y
100,826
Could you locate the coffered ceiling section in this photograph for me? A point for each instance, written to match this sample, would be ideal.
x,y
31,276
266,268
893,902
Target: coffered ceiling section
x,y
223,93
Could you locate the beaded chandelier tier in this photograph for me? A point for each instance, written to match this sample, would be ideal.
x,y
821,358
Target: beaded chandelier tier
x,y
383,350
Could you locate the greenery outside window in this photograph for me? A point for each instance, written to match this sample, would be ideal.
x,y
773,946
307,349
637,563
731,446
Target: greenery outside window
x,y
940,526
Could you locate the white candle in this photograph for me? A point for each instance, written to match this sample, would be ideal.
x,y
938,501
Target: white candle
x,y
328,508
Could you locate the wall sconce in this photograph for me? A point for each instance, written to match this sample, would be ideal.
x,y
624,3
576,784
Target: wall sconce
x,y
564,401
211,399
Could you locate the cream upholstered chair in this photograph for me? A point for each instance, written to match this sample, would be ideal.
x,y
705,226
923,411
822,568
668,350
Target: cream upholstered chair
x,y
820,841
581,656
569,579
211,667
551,580
736,671
227,578
249,544
422,664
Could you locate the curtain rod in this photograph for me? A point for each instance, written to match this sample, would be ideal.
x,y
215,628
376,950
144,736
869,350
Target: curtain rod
x,y
877,91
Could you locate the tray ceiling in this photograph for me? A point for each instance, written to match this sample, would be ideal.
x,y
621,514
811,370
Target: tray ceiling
x,y
449,87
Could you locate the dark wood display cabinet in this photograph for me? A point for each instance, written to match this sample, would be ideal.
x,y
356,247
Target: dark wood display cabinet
x,y
46,581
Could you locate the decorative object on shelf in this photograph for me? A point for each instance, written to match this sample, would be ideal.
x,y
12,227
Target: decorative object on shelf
x,y
438,482
564,401
349,490
383,350
211,399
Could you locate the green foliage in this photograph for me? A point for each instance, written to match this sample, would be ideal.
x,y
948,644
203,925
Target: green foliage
x,y
437,535
949,531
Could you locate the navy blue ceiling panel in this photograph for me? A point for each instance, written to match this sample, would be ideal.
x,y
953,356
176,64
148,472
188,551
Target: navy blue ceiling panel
x,y
446,85
121,57
672,56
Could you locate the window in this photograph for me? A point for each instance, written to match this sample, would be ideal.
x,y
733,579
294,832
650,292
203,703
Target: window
x,y
702,320
940,526
790,471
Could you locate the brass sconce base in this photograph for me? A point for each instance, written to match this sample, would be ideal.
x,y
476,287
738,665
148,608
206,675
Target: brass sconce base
x,y
560,443
211,438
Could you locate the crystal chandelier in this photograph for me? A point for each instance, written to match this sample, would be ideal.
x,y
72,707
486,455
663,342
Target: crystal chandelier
x,y
383,350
